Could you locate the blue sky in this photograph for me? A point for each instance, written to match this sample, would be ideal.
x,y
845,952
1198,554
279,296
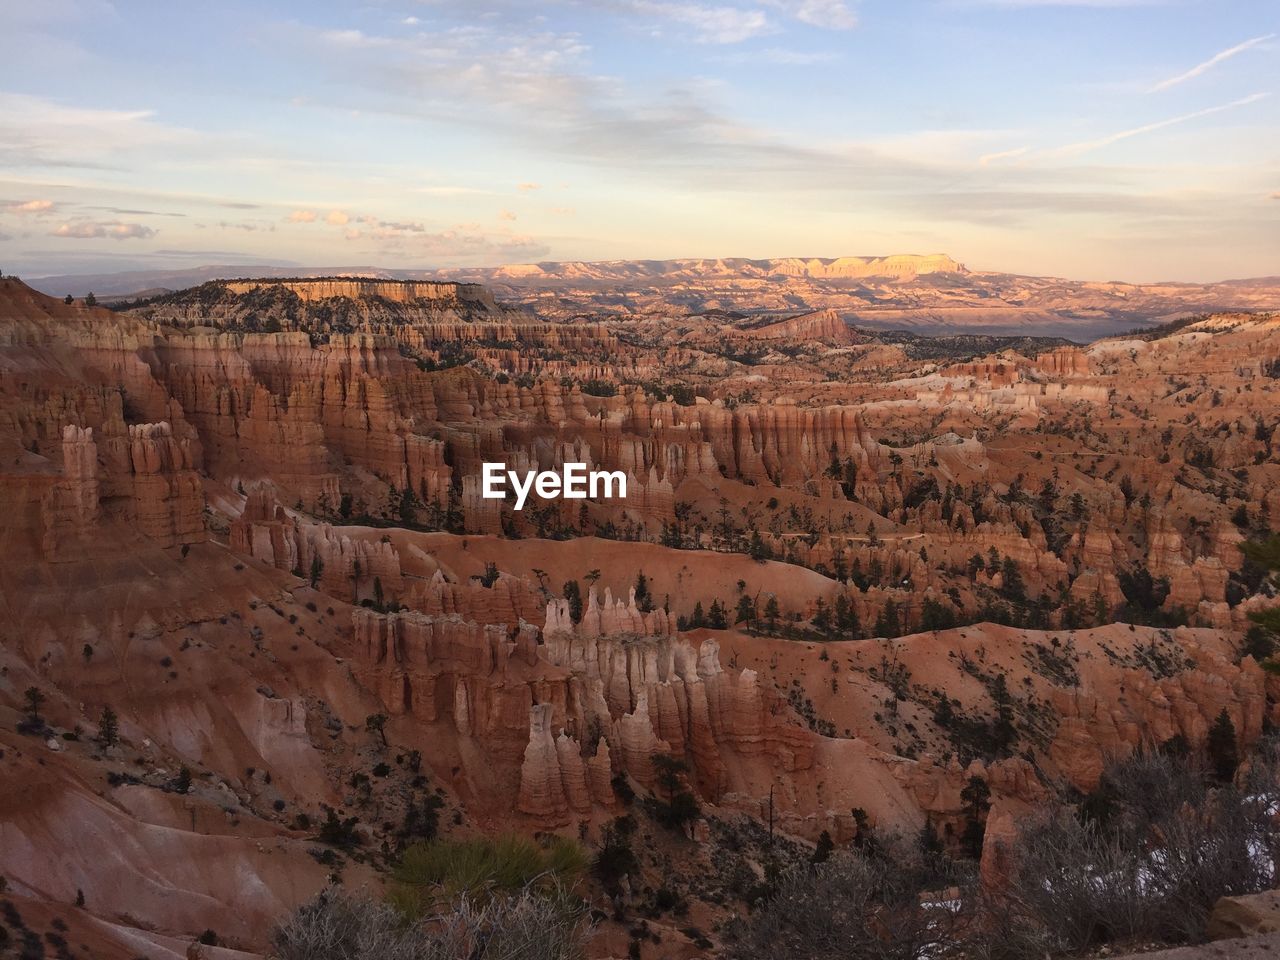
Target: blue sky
x,y
1106,139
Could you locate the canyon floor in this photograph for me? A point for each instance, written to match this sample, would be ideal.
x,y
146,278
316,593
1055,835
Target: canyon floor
x,y
261,630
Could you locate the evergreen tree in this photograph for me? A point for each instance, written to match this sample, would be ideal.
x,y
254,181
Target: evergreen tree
x,y
1223,752
644,602
34,701
377,723
699,618
771,613
573,594
822,618
977,801
824,848
108,728
717,619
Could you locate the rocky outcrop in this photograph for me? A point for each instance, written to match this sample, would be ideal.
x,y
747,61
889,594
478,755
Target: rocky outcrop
x,y
147,478
629,698
608,618
1245,916
824,325
167,492
70,507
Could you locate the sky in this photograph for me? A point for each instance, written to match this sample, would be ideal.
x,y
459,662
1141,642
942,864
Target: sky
x,y
1094,139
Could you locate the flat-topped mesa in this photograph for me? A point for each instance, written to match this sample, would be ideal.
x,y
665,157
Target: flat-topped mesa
x,y
903,266
322,305
312,289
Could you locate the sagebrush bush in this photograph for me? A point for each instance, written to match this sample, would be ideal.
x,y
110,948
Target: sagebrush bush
x,y
528,925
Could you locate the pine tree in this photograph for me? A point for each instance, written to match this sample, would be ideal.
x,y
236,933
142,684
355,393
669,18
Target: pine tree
x,y
644,602
699,618
822,618
977,801
822,851
1223,752
35,700
716,618
771,613
108,728
573,594
376,723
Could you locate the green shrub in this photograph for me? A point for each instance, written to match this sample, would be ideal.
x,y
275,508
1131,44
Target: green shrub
x,y
444,870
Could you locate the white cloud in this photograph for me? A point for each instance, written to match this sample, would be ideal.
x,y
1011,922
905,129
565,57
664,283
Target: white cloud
x,y
100,229
506,215
302,216
337,218
27,207
1203,68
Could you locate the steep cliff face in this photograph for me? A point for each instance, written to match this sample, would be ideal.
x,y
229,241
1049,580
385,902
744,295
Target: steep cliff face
x,y
823,325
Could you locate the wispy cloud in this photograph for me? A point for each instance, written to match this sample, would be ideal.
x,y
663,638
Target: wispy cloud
x,y
39,133
450,191
103,229
829,14
711,24
989,158
302,216
1100,4
1202,68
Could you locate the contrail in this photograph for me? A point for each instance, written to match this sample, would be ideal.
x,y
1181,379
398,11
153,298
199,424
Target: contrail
x,y
1089,145
1209,64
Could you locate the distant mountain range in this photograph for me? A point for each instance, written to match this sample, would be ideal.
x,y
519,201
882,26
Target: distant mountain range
x,y
931,294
